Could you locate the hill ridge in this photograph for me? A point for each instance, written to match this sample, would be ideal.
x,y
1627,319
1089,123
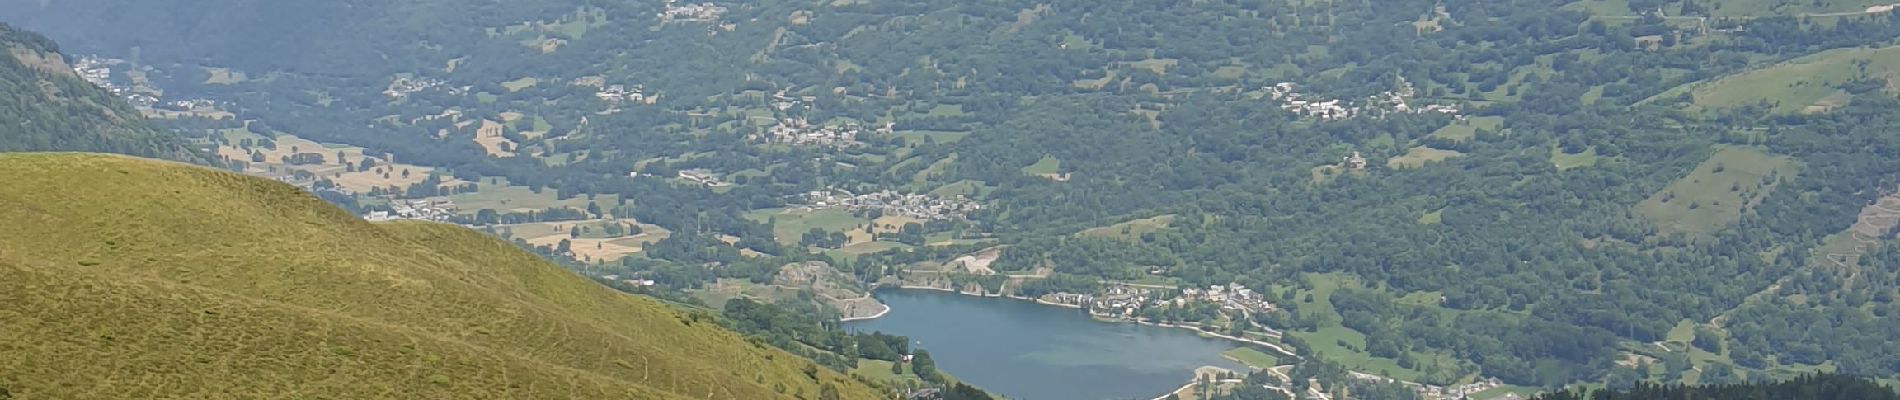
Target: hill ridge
x,y
157,260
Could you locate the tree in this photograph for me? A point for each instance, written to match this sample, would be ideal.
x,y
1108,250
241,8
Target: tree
x,y
1707,340
921,364
897,368
574,232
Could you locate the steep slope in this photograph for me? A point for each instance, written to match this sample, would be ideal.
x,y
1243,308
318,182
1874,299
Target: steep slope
x,y
45,106
129,278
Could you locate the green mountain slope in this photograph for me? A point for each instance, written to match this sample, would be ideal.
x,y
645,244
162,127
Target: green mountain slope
x,y
45,106
129,278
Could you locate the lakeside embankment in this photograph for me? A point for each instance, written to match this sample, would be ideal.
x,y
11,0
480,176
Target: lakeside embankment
x,y
1099,317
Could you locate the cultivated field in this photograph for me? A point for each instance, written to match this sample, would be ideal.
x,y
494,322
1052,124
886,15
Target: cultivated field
x,y
1468,128
1718,192
1131,230
1806,84
1419,156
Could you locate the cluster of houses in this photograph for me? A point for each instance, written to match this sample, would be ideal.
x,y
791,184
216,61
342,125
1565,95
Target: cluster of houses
x,y
798,131
700,176
629,282
1436,392
919,206
635,94
438,210
98,71
1354,161
702,12
404,86
1376,106
1229,297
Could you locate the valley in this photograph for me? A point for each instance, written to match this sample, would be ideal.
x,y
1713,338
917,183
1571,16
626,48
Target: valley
x,y
1410,199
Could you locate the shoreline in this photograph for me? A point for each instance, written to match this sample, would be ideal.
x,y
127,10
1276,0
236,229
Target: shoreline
x,y
1099,317
879,314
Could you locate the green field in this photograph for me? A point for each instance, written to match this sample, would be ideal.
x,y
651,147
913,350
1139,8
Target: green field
x,y
1717,192
500,196
858,249
1565,161
1420,156
912,138
1468,128
1046,166
519,84
792,225
1805,84
1131,230
1251,357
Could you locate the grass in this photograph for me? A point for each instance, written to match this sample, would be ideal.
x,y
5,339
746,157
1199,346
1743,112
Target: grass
x,y
1420,156
252,288
519,84
1791,86
496,194
1717,192
1468,128
1251,357
1564,161
1131,230
1432,218
1045,166
912,138
792,225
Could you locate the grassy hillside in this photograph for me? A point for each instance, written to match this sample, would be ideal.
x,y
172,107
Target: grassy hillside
x,y
128,278
47,107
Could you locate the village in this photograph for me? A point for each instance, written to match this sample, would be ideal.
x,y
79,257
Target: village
x,y
798,131
1377,106
919,206
437,210
404,86
615,94
702,12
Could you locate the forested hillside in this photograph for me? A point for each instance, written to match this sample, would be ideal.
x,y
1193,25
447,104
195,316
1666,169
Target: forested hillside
x,y
1543,192
45,106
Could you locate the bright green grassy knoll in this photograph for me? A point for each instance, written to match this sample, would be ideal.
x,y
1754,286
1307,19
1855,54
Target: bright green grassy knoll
x,y
486,97
1804,84
1046,165
1468,128
1251,357
1131,230
129,278
1432,218
1565,161
1419,156
792,225
1718,192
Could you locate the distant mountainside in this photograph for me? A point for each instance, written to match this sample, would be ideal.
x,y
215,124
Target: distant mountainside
x,y
45,106
1824,386
129,278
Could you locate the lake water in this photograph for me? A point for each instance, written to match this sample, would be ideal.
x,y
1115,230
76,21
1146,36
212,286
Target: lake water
x,y
1029,351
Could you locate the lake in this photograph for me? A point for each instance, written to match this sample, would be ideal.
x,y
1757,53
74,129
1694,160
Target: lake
x,y
1029,351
